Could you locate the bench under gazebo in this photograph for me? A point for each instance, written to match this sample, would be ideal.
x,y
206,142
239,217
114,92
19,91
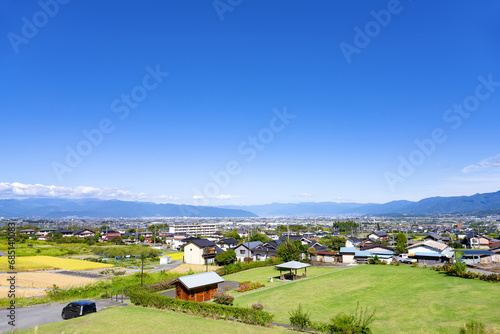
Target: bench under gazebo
x,y
292,266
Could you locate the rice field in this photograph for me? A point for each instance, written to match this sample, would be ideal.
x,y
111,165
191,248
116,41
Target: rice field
x,y
35,263
30,284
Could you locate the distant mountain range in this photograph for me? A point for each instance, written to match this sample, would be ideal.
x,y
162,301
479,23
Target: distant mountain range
x,y
96,208
431,205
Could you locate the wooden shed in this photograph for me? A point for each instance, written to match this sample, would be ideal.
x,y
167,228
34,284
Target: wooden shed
x,y
197,287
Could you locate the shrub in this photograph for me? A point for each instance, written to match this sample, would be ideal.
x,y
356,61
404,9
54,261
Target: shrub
x,y
414,264
356,323
473,327
300,318
457,269
244,282
223,298
238,266
251,286
258,306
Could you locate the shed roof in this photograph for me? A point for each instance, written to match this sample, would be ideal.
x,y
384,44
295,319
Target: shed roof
x,y
202,279
477,252
292,265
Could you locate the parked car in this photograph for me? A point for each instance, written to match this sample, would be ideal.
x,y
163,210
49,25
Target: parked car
x,y
403,258
78,308
470,259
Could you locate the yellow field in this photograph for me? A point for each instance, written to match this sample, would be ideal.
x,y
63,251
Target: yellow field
x,y
38,282
175,255
33,263
22,293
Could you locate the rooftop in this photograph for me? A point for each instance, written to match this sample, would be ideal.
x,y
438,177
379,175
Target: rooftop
x,y
202,279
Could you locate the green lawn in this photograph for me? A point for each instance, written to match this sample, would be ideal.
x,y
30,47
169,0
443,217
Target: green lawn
x,y
406,299
262,274
134,319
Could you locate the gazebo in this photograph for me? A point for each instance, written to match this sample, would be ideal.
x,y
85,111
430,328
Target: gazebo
x,y
293,265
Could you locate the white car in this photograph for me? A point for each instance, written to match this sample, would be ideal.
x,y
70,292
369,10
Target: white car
x,y
403,258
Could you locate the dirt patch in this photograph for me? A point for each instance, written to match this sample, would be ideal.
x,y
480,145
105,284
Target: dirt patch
x,y
495,267
195,268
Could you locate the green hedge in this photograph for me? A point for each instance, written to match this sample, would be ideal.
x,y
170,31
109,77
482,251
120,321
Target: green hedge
x,y
145,298
240,266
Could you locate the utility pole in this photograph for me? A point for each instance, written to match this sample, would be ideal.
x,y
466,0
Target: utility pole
x,y
142,266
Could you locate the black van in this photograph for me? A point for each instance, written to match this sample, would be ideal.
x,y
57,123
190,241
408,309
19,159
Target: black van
x,y
77,309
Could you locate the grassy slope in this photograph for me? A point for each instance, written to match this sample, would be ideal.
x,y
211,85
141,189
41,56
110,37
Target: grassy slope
x,y
406,299
262,274
133,319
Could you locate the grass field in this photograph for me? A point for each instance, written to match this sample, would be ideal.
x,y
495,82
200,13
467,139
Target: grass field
x,y
406,299
262,275
134,319
44,248
32,263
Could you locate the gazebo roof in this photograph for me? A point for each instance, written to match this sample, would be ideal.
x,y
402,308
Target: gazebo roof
x,y
292,265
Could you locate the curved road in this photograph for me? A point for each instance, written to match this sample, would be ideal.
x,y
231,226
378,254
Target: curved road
x,y
27,317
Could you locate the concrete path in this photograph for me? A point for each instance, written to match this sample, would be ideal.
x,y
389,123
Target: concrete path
x,y
166,267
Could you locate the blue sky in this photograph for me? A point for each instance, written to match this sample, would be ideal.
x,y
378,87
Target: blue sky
x,y
249,102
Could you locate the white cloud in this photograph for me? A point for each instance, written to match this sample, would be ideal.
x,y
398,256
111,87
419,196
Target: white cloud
x,y
197,197
222,196
20,190
493,162
305,194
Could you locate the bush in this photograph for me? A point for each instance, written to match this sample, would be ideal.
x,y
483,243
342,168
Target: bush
x,y
223,298
238,266
414,264
356,323
251,286
457,269
300,318
243,282
258,306
473,327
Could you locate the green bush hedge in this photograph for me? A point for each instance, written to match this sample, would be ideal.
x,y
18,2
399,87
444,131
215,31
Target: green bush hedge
x,y
451,270
145,298
240,266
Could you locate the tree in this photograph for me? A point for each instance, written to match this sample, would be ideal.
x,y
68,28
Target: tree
x,y
142,238
117,240
289,251
259,237
401,244
234,234
226,257
334,243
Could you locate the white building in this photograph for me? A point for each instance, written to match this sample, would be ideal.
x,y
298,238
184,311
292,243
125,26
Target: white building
x,y
201,229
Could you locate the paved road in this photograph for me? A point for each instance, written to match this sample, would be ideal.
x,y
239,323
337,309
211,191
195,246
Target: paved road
x,y
27,317
166,267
